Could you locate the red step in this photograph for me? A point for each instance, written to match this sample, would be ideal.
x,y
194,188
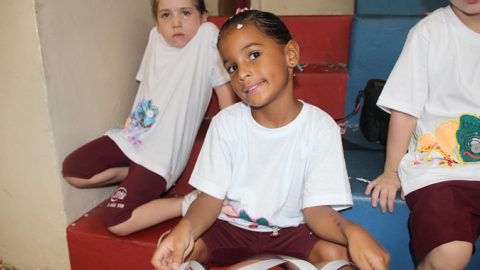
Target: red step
x,y
92,247
322,39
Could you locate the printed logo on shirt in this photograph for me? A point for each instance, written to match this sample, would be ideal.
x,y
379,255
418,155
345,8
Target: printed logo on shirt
x,y
140,120
144,114
468,137
119,195
230,212
455,142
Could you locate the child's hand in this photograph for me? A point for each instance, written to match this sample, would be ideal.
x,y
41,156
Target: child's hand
x,y
173,249
385,188
365,252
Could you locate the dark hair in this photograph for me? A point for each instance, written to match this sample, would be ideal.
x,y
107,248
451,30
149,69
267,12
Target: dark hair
x,y
269,23
199,5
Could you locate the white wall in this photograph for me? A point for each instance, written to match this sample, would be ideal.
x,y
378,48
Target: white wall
x,y
296,7
91,50
32,220
66,75
306,7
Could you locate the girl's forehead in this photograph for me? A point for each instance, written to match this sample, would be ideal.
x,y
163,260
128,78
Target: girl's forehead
x,y
239,37
176,3
244,31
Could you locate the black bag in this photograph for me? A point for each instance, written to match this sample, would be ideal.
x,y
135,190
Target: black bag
x,y
373,120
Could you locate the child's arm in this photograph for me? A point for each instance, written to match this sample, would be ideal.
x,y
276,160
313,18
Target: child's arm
x,y
225,95
328,224
179,243
387,184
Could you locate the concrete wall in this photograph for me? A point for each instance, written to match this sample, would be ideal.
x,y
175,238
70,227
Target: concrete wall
x,y
91,51
32,220
66,76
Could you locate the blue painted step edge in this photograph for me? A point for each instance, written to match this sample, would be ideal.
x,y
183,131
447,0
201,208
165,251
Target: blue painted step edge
x,y
397,7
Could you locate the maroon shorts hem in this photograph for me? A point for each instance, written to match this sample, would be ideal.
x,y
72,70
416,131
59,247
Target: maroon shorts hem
x,y
227,244
139,186
442,213
94,157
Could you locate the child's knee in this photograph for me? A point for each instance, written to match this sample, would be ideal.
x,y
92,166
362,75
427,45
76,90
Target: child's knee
x,y
120,229
452,255
77,182
324,251
199,252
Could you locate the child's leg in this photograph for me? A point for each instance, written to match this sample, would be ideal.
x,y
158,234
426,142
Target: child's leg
x,y
97,163
444,223
136,204
149,214
199,252
155,212
324,252
449,256
108,177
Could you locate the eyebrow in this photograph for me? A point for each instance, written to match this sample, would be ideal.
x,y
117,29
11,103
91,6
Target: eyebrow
x,y
245,48
181,8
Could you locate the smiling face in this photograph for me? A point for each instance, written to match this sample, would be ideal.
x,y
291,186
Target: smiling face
x,y
178,21
260,68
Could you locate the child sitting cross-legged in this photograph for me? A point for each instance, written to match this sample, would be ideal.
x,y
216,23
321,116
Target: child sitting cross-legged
x,y
271,171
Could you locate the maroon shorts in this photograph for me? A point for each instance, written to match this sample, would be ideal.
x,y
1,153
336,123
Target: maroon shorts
x,y
442,213
139,187
228,244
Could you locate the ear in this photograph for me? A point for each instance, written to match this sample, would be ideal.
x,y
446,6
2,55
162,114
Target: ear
x,y
292,53
204,16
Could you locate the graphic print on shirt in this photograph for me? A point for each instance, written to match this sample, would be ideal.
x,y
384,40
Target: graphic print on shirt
x,y
140,120
455,142
230,212
468,137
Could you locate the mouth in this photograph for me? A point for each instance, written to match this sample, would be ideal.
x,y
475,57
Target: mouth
x,y
253,88
178,35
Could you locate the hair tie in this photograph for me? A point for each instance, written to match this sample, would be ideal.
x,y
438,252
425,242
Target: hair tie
x,y
240,10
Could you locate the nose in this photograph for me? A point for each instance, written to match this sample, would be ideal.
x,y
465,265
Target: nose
x,y
177,20
243,73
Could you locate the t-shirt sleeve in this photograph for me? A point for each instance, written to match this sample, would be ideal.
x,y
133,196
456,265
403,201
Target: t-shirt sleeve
x,y
406,89
212,172
326,179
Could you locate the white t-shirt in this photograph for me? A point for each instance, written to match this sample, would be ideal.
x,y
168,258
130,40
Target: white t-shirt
x,y
174,92
267,176
437,80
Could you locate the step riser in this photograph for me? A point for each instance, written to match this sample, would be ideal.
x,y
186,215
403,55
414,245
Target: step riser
x,y
328,43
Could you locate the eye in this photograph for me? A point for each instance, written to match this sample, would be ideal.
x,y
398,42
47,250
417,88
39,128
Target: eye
x,y
164,15
231,69
186,13
254,55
